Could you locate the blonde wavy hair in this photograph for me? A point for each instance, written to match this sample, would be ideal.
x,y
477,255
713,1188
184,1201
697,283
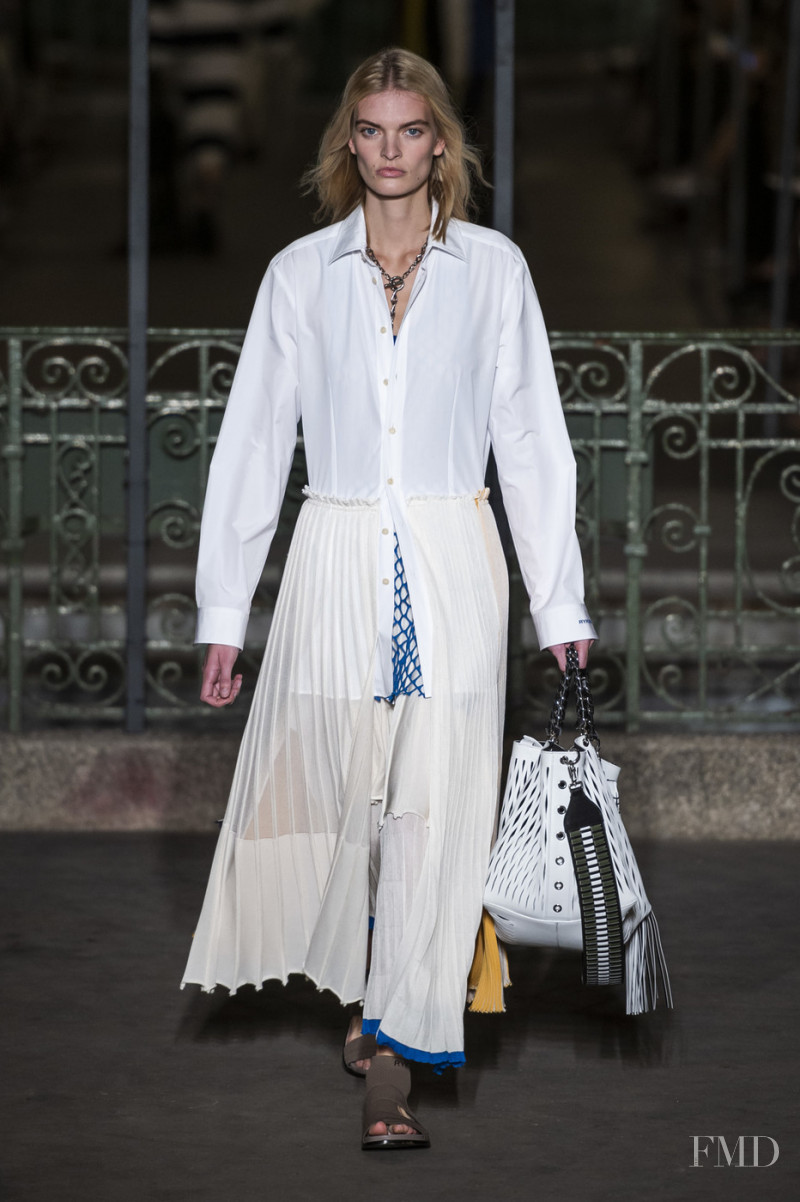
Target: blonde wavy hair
x,y
335,177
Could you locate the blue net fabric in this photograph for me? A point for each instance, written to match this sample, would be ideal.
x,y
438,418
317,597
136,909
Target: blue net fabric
x,y
406,671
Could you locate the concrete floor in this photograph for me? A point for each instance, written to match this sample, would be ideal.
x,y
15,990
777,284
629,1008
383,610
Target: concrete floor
x,y
119,1088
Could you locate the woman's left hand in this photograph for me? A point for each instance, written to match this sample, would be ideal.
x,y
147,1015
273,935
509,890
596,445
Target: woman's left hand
x,y
582,646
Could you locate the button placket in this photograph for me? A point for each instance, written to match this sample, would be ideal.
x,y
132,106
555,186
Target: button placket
x,y
392,401
385,565
390,384
385,578
385,361
385,355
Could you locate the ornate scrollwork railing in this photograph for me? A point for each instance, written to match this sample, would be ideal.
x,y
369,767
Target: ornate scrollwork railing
x,y
688,458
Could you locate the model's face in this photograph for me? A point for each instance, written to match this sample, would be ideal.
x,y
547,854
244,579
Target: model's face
x,y
395,143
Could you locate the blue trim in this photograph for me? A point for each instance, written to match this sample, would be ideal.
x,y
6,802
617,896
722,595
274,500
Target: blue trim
x,y
438,1060
406,668
372,916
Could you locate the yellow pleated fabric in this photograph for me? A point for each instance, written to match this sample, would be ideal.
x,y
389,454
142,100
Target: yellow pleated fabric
x,y
488,975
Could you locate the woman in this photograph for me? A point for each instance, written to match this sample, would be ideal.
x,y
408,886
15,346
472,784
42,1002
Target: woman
x,y
408,341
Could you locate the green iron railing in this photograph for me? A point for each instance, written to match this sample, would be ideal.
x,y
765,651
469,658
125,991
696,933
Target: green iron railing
x,y
688,513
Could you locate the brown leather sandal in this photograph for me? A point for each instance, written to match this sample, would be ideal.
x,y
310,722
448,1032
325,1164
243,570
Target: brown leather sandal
x,y
388,1085
363,1047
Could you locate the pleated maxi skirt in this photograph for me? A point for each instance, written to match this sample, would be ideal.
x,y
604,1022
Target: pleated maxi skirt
x,y
289,885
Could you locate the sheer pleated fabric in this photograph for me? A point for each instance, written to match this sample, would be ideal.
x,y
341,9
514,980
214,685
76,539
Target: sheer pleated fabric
x,y
289,889
402,842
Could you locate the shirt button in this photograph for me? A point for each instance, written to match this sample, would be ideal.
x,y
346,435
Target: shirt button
x,y
390,480
374,280
392,430
383,329
386,580
386,382
385,530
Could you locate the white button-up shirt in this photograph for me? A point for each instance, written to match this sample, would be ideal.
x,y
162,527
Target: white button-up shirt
x,y
385,421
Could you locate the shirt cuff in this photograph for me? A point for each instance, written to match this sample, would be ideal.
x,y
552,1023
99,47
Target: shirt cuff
x,y
218,625
563,624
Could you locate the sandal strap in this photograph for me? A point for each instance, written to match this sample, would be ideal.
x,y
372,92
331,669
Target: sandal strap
x,y
389,1072
386,1101
363,1047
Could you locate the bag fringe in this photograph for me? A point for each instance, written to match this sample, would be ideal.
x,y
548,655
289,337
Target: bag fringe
x,y
489,972
644,961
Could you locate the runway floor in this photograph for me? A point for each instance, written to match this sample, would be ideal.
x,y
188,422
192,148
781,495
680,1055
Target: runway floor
x,y
118,1087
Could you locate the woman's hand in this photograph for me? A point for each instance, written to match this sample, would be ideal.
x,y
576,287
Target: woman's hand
x,y
218,688
582,646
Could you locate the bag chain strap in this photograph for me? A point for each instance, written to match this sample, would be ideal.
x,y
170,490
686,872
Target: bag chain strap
x,y
584,703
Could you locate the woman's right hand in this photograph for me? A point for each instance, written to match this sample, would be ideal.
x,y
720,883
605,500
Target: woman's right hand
x,y
218,688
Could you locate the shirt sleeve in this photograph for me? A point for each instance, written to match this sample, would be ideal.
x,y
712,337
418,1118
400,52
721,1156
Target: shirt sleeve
x,y
536,468
250,466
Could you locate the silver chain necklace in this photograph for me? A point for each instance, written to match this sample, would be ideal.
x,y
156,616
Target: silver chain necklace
x,y
395,283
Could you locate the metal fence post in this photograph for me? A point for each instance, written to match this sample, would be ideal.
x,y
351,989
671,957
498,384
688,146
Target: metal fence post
x,y
785,208
13,544
503,220
669,97
503,206
737,192
635,547
138,171
701,136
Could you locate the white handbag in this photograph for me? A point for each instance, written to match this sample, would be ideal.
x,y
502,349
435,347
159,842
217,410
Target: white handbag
x,y
562,872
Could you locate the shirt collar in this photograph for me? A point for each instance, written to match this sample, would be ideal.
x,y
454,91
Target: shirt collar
x,y
352,236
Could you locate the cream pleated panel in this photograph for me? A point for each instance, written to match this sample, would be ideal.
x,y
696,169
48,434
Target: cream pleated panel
x,y
289,886
279,835
464,570
401,851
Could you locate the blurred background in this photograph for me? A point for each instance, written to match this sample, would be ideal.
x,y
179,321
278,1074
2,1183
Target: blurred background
x,y
647,148
655,180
